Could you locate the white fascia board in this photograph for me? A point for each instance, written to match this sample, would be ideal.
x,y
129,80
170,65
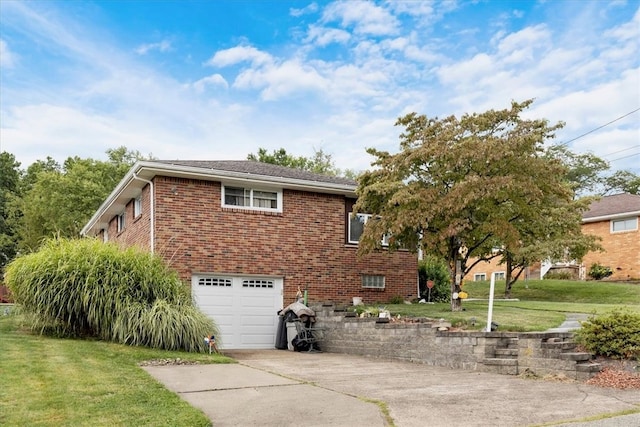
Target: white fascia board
x,y
610,217
148,170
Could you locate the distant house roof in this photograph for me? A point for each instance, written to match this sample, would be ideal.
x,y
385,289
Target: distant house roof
x,y
231,172
610,207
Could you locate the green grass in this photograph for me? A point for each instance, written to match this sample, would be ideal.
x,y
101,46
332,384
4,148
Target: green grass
x,y
541,305
48,381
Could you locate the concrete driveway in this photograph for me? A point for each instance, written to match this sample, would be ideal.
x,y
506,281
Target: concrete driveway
x,y
284,388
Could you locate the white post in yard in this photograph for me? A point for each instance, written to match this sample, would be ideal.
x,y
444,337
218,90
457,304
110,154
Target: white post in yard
x,y
491,289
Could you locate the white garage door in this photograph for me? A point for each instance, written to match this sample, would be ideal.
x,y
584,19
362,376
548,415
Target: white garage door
x,y
244,308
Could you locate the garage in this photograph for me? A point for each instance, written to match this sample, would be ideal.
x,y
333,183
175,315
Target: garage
x,y
244,308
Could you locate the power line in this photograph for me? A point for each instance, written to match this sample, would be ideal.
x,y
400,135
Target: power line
x,y
600,127
625,157
620,151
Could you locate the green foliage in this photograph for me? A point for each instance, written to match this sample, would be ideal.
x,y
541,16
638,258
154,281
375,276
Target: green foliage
x,y
478,182
10,176
88,288
58,200
558,275
434,268
616,335
396,299
599,272
321,162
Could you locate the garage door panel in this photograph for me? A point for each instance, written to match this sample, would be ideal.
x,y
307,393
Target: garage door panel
x,y
245,309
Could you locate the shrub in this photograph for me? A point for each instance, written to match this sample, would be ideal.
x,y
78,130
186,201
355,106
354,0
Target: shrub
x,y
89,288
558,275
597,271
615,334
436,269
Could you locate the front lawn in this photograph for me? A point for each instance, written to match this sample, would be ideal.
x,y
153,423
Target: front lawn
x,y
541,305
48,381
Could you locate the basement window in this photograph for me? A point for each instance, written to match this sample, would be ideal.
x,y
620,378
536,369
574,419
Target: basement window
x,y
372,281
479,277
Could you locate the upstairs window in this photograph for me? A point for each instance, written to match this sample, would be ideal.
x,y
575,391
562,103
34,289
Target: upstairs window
x,y
356,228
252,198
137,206
624,224
121,222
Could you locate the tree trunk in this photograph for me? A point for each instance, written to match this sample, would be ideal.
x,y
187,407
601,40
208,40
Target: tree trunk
x,y
507,276
456,304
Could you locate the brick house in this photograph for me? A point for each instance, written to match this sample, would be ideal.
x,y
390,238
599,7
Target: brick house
x,y
248,235
612,218
615,220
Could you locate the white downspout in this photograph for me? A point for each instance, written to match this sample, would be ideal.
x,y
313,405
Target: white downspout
x,y
152,226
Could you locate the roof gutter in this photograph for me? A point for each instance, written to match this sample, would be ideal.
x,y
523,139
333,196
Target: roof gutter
x,y
610,217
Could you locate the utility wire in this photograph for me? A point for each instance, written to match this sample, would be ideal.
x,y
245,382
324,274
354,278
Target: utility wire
x,y
620,151
625,157
600,127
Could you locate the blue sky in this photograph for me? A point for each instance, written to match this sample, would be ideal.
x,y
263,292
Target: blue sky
x,y
219,79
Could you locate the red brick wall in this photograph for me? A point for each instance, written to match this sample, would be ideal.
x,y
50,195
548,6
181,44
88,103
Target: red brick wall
x,y
621,250
305,243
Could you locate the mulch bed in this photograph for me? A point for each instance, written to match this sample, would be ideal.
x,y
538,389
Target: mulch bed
x,y
621,374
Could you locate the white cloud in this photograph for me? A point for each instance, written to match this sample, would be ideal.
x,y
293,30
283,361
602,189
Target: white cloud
x,y
276,81
163,46
365,17
238,54
323,36
212,80
311,8
7,58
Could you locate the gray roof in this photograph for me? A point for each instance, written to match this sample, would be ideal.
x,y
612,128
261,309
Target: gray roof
x,y
251,167
613,206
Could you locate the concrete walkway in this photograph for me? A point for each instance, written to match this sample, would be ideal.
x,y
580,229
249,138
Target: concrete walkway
x,y
284,388
571,323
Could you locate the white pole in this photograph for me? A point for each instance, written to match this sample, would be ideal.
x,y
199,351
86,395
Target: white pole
x,y
491,289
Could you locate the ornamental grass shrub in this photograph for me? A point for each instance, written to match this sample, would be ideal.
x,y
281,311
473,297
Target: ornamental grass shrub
x,y
87,288
615,334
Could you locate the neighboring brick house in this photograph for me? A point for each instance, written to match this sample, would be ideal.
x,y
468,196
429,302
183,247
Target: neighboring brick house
x,y
615,220
248,236
612,218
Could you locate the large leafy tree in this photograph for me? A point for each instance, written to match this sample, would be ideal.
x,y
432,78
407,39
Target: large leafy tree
x,y
590,174
59,200
473,187
10,176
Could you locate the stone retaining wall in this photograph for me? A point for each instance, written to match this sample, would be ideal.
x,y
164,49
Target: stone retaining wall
x,y
431,342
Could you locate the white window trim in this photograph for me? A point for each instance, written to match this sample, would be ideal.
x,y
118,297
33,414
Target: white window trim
x,y
503,273
105,235
630,218
137,206
367,217
252,189
477,277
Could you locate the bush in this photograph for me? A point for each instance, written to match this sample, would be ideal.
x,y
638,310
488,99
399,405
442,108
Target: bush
x,y
558,275
616,335
436,269
597,271
89,288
